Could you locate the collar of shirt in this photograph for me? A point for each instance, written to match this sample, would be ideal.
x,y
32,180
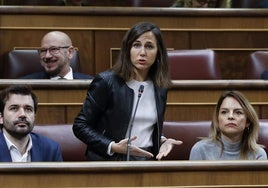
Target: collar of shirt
x,y
68,76
15,154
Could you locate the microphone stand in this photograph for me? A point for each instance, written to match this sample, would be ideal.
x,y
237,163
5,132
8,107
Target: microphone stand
x,y
132,120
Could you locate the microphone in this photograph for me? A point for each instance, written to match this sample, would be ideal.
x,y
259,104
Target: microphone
x,y
132,120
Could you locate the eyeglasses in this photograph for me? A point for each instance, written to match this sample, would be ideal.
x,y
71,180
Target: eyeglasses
x,y
52,50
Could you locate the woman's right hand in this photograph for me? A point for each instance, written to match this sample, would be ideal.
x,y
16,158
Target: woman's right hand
x,y
121,147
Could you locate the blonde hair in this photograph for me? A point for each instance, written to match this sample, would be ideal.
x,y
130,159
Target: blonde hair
x,y
250,135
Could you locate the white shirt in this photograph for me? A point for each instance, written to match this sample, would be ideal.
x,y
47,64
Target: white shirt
x,y
68,76
146,114
15,153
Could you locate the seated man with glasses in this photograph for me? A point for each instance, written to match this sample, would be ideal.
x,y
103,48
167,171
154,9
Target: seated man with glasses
x,y
55,54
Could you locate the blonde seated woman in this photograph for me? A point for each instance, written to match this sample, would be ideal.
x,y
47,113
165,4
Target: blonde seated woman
x,y
233,133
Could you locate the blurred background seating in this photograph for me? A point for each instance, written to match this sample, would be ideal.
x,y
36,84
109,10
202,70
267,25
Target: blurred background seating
x,y
257,65
134,3
249,3
100,2
131,3
33,2
148,3
20,62
145,3
222,3
203,3
193,65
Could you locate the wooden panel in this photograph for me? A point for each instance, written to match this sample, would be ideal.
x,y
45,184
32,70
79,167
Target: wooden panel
x,y
229,39
84,41
61,101
189,112
136,174
233,33
104,45
233,63
50,114
72,112
61,95
263,112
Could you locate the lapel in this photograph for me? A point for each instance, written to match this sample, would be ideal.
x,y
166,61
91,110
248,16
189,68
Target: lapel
x,y
36,152
4,151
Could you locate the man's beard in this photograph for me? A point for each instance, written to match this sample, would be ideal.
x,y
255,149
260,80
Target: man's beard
x,y
20,134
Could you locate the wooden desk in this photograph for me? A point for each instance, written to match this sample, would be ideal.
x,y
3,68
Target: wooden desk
x,y
199,174
60,101
98,31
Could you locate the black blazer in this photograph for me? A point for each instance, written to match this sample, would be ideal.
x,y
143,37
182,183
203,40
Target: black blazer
x,y
106,114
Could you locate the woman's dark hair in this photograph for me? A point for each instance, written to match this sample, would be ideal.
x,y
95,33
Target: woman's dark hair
x,y
159,72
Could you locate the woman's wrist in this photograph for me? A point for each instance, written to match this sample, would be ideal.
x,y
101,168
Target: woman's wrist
x,y
163,139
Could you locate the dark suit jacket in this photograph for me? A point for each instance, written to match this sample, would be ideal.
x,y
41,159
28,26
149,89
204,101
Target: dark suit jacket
x,y
43,149
264,75
43,75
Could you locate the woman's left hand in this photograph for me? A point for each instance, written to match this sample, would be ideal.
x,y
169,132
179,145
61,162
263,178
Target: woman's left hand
x,y
166,147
